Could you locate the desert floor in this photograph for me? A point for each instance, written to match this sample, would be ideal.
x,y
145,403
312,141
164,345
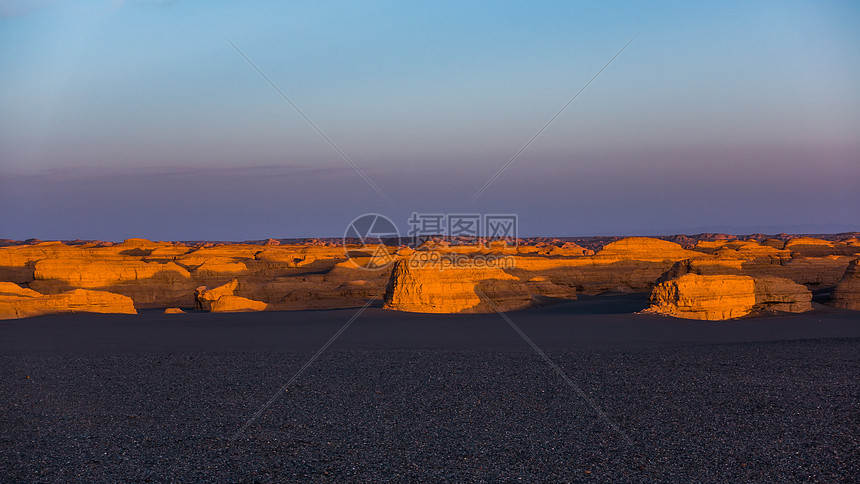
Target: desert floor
x,y
403,396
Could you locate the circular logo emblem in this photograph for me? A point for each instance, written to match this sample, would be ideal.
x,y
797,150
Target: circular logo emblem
x,y
369,240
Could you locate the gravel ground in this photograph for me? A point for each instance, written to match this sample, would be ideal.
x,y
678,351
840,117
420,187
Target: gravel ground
x,y
779,411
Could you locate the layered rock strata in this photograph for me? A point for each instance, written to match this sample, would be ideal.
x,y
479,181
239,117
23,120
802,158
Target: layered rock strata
x,y
429,287
720,297
847,292
316,276
17,302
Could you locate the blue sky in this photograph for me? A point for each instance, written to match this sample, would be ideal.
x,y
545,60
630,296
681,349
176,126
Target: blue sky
x,y
138,118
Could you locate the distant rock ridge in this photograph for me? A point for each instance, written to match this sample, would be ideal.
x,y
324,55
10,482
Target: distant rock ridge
x,y
588,242
645,249
322,274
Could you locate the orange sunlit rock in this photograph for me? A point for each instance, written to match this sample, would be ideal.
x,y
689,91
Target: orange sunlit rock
x,y
715,297
93,273
235,304
27,303
726,296
204,297
645,249
428,287
317,275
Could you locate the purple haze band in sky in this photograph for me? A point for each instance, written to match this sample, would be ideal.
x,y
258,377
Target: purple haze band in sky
x,y
133,118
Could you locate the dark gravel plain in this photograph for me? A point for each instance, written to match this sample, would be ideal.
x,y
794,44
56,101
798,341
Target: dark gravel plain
x,y
400,397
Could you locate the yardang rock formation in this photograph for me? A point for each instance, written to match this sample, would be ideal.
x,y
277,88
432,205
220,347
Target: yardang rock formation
x,y
719,297
847,292
317,276
18,302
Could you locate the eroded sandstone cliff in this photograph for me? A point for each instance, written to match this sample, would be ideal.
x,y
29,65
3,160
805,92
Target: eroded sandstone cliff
x,y
722,296
17,302
428,287
287,276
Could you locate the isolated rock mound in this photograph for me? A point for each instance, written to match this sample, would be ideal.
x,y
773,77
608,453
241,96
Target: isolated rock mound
x,y
222,299
719,297
847,293
19,302
433,287
236,304
204,297
714,297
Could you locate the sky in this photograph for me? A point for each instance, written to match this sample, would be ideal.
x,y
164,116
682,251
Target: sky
x,y
141,118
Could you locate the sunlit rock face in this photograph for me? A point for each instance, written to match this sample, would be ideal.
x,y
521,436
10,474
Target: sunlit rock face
x,y
223,299
314,276
18,262
147,283
236,304
162,274
716,297
17,302
645,249
92,273
847,292
812,247
426,287
724,296
11,289
204,296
